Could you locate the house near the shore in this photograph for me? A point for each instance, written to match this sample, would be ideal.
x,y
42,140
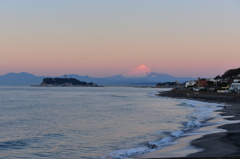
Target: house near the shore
x,y
235,86
224,89
190,84
213,80
201,83
236,81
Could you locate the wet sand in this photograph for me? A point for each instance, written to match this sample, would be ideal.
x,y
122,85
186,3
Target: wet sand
x,y
222,144
225,144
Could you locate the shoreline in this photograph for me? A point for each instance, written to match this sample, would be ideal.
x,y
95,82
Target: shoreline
x,y
220,144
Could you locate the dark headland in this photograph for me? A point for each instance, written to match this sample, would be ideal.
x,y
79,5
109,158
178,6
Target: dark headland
x,y
70,82
217,145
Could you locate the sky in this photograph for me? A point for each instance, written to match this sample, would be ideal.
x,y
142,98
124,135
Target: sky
x,y
103,38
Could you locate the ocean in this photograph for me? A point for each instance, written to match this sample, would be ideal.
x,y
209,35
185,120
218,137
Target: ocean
x,y
95,122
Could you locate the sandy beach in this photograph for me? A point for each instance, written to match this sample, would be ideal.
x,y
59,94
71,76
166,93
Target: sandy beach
x,y
224,144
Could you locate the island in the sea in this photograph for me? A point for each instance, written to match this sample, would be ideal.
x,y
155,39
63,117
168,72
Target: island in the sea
x,y
66,82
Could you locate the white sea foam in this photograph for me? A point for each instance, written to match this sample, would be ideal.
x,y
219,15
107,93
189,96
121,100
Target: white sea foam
x,y
160,143
193,124
177,133
186,104
154,145
127,152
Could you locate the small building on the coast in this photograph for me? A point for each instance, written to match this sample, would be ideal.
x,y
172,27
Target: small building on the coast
x,y
213,80
190,84
235,87
202,82
224,89
236,81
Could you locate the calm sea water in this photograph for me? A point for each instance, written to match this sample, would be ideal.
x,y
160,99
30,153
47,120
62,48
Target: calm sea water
x,y
104,122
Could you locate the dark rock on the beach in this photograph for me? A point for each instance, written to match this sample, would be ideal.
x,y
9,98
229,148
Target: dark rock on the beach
x,y
152,146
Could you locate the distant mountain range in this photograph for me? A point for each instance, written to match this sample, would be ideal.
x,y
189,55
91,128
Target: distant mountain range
x,y
139,76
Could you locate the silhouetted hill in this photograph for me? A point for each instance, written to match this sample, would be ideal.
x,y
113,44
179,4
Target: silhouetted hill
x,y
22,78
65,82
231,74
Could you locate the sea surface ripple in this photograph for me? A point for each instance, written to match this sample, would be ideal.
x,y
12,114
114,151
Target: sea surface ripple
x,y
92,122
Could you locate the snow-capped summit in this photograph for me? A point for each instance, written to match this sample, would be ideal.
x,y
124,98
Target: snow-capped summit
x,y
140,71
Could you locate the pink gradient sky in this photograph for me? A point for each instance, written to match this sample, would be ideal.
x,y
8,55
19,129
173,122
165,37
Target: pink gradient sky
x,y
106,38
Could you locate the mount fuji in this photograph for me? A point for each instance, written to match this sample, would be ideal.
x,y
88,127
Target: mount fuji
x,y
139,76
146,75
138,72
